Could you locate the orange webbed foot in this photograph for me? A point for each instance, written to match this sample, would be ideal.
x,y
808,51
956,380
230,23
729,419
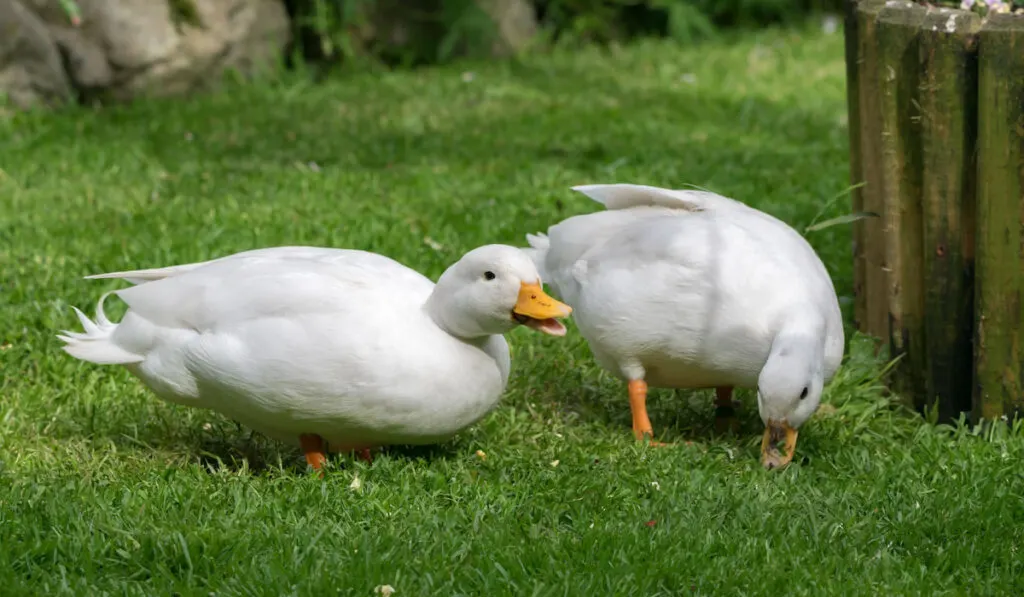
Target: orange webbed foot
x,y
642,429
313,447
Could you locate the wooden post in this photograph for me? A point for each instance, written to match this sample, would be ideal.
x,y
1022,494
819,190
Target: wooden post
x,y
948,94
999,386
869,233
899,23
860,298
936,108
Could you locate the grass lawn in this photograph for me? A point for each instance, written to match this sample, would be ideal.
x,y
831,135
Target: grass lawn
x,y
106,490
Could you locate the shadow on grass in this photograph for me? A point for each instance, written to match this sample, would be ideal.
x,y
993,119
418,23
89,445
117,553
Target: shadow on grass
x,y
261,455
677,416
582,391
228,445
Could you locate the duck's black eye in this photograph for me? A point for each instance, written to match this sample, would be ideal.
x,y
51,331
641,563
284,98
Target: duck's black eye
x,y
489,275
803,394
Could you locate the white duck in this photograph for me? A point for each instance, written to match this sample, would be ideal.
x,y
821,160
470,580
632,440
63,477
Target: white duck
x,y
312,345
689,289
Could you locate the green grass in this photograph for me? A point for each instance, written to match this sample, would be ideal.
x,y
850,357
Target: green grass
x,y
106,490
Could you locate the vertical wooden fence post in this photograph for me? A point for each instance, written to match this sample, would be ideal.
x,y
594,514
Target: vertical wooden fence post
x,y
948,100
870,232
936,107
856,173
899,24
1000,261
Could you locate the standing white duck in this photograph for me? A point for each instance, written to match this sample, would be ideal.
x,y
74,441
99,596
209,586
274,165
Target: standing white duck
x,y
312,345
689,289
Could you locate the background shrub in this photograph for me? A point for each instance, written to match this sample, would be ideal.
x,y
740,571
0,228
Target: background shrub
x,y
414,32
685,20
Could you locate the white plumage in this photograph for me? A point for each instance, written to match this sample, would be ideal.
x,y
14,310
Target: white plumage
x,y
344,345
689,289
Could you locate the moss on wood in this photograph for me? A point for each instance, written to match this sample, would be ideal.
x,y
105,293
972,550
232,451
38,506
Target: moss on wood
x,y
948,89
869,233
999,388
898,27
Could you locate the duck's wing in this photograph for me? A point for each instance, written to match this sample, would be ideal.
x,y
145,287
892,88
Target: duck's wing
x,y
727,265
626,196
141,276
559,253
269,282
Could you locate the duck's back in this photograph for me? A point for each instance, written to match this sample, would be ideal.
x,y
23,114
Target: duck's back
x,y
706,287
273,281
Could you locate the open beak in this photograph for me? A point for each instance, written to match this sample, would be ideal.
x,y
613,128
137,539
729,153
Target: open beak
x,y
775,432
536,310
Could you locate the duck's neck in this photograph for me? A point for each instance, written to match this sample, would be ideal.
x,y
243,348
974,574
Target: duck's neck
x,y
441,309
799,342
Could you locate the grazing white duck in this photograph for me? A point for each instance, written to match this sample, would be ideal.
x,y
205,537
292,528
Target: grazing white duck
x,y
689,289
312,345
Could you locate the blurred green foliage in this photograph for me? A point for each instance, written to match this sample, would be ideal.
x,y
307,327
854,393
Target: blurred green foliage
x,y
391,31
413,32
684,20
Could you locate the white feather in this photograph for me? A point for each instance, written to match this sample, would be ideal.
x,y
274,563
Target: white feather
x,y
538,251
691,289
95,344
625,196
345,344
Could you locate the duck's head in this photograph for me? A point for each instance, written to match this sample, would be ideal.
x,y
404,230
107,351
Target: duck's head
x,y
491,290
788,393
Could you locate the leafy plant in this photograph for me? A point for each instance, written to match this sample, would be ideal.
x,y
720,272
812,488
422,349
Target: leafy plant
x,y
431,31
328,30
185,12
683,20
390,31
73,12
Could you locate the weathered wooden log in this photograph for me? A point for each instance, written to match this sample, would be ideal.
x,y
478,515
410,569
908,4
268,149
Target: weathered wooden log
x,y
899,24
860,298
948,100
869,233
999,388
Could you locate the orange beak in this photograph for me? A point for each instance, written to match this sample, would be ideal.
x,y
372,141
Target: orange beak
x,y
536,310
773,434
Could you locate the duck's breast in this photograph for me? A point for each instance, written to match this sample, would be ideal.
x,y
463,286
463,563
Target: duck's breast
x,y
358,374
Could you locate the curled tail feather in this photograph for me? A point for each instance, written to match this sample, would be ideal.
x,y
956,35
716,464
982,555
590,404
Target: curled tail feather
x,y
95,343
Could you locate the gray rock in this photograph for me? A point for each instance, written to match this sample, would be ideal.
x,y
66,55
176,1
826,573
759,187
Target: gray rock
x,y
84,60
130,48
31,72
152,53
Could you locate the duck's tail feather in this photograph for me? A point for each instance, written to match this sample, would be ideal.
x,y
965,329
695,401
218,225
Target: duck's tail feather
x,y
538,251
141,276
95,343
